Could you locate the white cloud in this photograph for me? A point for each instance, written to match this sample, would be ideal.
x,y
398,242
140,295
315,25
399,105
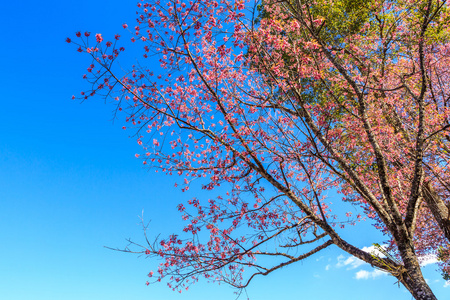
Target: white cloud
x,y
447,284
327,267
428,260
374,250
350,262
363,274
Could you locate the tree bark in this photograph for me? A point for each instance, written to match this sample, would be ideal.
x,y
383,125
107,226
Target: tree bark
x,y
417,286
438,208
410,275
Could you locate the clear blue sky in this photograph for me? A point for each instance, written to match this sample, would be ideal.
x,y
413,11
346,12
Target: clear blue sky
x,y
70,184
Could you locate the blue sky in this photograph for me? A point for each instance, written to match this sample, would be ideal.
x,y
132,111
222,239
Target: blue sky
x,y
70,184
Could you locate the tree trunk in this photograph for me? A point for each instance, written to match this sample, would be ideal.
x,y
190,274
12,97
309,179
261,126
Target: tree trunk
x,y
410,274
417,286
438,208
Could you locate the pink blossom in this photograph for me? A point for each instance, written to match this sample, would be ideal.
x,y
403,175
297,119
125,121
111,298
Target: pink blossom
x,y
99,38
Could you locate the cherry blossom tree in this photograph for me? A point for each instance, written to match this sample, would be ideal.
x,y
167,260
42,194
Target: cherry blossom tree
x,y
283,102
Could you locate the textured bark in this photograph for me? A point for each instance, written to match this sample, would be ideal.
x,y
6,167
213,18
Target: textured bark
x,y
417,286
410,274
438,208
